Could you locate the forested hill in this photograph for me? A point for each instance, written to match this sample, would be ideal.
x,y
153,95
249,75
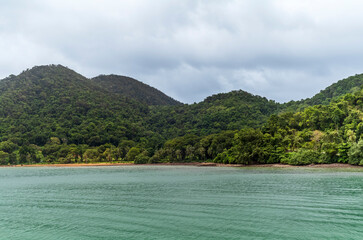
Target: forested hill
x,y
348,85
224,111
54,101
53,114
330,133
132,88
238,109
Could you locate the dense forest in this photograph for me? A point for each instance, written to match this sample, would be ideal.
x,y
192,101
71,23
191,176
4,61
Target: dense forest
x,y
132,88
51,114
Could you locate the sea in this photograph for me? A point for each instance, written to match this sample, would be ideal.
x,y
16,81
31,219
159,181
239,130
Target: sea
x,y
180,202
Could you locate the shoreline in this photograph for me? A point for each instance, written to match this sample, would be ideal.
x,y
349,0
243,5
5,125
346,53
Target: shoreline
x,y
197,164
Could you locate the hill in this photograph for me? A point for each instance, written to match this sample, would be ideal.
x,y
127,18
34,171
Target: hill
x,y
54,101
237,110
225,111
330,133
132,88
53,111
333,92
53,114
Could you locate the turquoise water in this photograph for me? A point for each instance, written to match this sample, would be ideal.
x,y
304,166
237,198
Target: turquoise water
x,y
165,202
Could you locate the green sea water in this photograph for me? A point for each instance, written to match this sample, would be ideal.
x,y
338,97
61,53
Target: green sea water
x,y
167,202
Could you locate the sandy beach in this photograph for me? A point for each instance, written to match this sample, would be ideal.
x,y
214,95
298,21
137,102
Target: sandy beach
x,y
198,164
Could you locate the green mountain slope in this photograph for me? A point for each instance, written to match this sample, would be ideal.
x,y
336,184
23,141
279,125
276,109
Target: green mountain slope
x,y
225,111
238,109
51,110
134,89
54,101
319,134
53,114
348,85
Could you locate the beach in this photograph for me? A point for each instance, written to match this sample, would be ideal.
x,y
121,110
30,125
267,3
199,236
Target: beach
x,y
198,164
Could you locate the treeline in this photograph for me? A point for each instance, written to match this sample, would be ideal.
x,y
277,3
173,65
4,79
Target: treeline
x,y
54,151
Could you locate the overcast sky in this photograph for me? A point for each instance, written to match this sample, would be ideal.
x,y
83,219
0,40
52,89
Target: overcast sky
x,y
190,49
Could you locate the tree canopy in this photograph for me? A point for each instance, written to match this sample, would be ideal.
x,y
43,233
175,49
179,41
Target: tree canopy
x,y
51,114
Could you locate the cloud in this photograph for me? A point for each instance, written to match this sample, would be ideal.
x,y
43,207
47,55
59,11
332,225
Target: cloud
x,y
283,49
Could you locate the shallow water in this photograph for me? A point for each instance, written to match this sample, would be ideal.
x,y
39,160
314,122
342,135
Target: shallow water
x,y
180,202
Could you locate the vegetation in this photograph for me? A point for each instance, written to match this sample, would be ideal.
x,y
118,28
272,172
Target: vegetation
x,y
129,87
221,112
335,91
51,114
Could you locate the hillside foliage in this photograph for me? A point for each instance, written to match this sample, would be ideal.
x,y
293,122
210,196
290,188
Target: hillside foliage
x,y
51,114
132,88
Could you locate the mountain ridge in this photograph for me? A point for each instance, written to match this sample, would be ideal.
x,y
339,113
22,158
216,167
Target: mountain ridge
x,y
350,84
130,87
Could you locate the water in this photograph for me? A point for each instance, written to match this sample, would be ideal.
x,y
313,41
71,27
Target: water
x,y
164,202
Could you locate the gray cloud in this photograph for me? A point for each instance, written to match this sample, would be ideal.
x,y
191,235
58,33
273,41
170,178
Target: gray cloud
x,y
193,48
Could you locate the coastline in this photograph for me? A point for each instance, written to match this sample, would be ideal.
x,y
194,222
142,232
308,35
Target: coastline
x,y
197,164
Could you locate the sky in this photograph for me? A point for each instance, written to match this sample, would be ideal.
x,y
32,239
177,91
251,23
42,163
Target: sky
x,y
190,49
